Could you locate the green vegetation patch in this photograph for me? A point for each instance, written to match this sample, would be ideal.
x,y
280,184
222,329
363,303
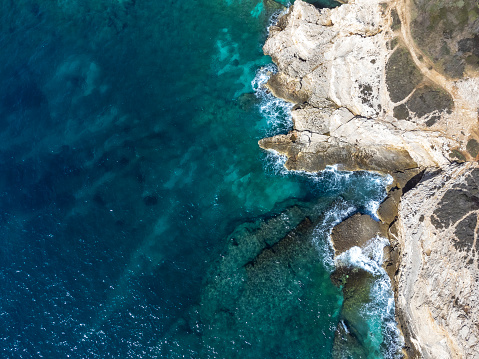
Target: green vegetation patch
x,y
472,147
393,43
428,99
457,155
440,26
401,112
402,74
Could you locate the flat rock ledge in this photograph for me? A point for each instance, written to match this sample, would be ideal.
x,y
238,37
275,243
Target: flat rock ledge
x,y
357,231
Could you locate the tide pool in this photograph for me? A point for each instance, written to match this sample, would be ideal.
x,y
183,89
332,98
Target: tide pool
x,y
129,170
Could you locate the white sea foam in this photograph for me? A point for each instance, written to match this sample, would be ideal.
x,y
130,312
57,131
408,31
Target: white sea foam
x,y
273,20
368,188
335,179
381,307
369,258
274,163
372,208
322,232
345,327
276,111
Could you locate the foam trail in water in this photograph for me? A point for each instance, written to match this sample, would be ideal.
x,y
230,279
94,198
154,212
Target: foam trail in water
x,y
273,20
276,111
322,232
381,307
274,164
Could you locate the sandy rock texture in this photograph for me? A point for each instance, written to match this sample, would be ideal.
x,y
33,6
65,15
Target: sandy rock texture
x,y
367,97
438,280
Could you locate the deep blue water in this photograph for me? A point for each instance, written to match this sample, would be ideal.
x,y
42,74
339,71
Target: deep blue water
x,y
129,161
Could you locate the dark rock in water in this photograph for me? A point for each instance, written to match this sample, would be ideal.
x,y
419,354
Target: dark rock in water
x,y
357,284
247,100
356,231
150,200
321,4
285,246
346,345
272,6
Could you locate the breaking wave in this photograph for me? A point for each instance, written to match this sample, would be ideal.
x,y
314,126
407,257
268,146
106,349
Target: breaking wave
x,y
275,111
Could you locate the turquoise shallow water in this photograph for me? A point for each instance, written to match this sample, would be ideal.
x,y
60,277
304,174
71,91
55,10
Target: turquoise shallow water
x,y
129,165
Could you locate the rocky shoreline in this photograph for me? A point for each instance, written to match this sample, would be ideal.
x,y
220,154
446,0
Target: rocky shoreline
x,y
372,93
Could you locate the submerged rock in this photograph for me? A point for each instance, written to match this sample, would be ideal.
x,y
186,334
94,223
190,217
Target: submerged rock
x,y
367,315
266,291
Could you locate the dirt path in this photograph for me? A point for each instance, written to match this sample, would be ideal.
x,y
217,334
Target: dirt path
x,y
465,114
422,61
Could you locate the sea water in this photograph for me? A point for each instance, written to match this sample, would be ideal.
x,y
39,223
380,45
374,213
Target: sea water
x,y
128,164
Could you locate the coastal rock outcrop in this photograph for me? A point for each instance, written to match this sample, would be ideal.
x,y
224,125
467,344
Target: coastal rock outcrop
x,y
366,97
393,86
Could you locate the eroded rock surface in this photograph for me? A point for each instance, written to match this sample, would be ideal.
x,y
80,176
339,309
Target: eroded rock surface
x,y
438,281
